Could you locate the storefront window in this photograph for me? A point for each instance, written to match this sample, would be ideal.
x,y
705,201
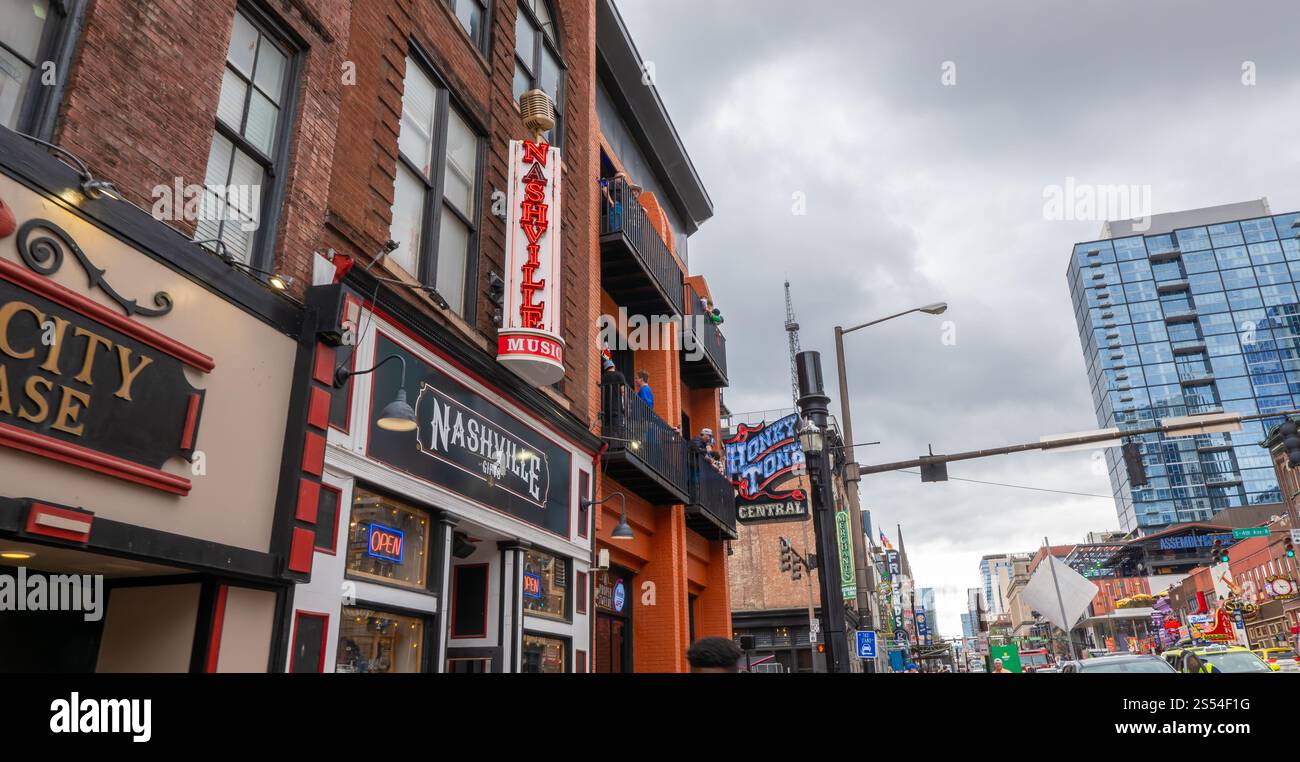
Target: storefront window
x,y
545,654
377,641
387,541
546,585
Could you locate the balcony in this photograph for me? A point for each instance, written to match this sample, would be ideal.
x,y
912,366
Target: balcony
x,y
711,510
636,267
704,359
645,454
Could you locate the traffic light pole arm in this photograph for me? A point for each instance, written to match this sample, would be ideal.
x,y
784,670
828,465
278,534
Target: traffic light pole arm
x,y
1054,444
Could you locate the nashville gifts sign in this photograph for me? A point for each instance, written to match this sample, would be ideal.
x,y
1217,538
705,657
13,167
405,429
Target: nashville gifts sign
x,y
529,341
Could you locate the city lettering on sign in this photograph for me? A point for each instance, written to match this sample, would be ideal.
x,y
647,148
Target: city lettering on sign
x,y
1241,534
529,340
763,463
385,543
83,382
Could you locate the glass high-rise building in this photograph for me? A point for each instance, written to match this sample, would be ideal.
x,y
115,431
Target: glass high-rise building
x,y
1193,312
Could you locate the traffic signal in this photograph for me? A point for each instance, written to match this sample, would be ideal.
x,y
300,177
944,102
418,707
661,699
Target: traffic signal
x,y
797,574
1289,546
787,555
1137,474
1291,441
1219,553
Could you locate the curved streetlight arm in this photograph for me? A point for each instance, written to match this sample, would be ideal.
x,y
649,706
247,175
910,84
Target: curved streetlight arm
x,y
585,503
933,309
342,374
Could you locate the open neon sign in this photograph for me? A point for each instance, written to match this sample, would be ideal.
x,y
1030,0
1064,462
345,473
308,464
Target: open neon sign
x,y
385,543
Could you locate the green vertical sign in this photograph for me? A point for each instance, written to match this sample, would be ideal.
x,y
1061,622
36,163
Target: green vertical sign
x,y
844,538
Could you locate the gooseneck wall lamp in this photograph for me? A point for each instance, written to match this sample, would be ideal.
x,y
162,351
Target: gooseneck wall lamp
x,y
398,415
621,532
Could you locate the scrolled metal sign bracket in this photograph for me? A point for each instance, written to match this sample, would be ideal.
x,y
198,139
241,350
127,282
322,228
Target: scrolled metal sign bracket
x,y
44,255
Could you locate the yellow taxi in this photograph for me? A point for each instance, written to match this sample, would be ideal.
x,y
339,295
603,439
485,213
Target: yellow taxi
x,y
1279,659
1222,658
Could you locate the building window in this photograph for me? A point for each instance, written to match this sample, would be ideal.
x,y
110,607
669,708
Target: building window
x,y
379,641
537,58
473,15
387,541
546,585
34,44
543,654
435,198
327,519
248,145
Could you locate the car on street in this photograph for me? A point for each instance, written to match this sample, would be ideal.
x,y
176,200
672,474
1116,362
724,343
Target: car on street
x,y
1280,659
1222,658
1120,663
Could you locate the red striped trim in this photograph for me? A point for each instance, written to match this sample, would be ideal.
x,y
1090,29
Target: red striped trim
x,y
218,619
301,550
54,449
34,525
191,419
99,313
323,371
308,500
318,408
313,454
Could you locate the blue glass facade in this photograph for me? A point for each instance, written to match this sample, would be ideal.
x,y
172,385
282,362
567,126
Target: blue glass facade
x,y
1199,320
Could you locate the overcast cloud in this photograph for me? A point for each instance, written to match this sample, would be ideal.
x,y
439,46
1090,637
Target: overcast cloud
x,y
919,192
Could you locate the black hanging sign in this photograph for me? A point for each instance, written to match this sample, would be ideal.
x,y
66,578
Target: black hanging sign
x,y
764,463
85,385
470,445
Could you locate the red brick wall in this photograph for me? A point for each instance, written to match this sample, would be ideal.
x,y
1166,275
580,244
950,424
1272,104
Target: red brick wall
x,y
361,193
141,102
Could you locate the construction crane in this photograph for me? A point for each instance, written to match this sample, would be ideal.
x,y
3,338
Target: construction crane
x,y
792,331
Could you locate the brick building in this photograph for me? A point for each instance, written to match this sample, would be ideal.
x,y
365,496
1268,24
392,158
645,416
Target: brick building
x,y
666,585
340,173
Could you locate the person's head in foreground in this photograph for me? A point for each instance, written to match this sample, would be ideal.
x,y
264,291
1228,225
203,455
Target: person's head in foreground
x,y
714,655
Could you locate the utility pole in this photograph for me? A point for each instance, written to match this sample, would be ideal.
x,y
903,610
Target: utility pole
x,y
861,575
1074,650
812,405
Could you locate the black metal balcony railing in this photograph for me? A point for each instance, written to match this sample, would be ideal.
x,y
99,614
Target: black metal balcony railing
x,y
655,285
709,371
645,453
712,507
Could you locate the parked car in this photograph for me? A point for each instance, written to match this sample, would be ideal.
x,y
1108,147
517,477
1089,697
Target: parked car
x,y
1280,659
1222,658
1123,663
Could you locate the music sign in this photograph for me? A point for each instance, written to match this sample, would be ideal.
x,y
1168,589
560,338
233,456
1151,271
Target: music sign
x,y
529,340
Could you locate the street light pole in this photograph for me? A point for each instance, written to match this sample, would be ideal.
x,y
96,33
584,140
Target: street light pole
x,y
860,573
812,404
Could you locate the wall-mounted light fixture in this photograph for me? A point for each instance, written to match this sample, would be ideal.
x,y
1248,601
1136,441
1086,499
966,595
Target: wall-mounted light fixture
x,y
93,187
398,415
621,532
275,280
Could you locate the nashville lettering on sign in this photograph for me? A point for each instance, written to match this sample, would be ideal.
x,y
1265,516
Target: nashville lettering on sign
x,y
529,340
534,220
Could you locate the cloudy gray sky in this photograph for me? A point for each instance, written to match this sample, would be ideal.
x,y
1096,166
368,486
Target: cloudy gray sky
x,y
917,191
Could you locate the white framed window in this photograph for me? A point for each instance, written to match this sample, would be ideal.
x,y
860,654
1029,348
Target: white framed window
x,y
436,190
537,58
247,143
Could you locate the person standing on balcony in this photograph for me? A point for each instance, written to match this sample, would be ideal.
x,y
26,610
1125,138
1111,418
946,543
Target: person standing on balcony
x,y
643,389
613,392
